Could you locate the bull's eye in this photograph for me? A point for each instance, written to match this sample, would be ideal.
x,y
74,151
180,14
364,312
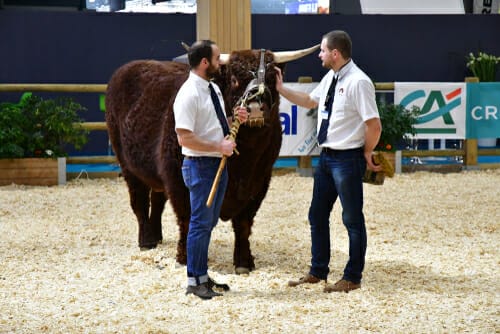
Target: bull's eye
x,y
234,82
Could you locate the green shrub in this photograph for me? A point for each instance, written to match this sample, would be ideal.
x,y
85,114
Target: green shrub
x,y
40,128
397,123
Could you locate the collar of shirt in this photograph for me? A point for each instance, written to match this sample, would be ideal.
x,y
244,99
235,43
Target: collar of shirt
x,y
343,70
199,81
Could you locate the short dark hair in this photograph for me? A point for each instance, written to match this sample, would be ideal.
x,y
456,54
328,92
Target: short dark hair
x,y
198,51
340,40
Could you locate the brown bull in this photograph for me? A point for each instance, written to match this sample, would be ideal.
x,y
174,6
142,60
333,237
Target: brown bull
x,y
140,120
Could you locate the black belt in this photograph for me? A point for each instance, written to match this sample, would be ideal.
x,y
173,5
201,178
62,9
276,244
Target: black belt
x,y
199,158
332,151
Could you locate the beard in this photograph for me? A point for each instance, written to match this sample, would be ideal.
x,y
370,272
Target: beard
x,y
326,64
212,71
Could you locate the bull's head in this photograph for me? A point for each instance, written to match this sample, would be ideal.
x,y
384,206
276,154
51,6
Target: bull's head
x,y
249,78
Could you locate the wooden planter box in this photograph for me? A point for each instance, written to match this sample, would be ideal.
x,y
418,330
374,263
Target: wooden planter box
x,y
33,171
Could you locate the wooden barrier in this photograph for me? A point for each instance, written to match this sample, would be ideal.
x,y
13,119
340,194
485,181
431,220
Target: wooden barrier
x,y
93,159
93,126
469,153
33,171
61,88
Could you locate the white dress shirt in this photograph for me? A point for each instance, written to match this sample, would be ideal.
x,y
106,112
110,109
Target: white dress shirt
x,y
353,104
195,111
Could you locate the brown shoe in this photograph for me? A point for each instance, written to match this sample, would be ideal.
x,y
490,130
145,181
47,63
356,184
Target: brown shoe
x,y
342,286
308,278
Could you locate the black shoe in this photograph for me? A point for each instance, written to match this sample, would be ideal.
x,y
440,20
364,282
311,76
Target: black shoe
x,y
204,291
213,284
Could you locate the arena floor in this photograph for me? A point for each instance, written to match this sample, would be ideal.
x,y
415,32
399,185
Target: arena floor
x,y
70,262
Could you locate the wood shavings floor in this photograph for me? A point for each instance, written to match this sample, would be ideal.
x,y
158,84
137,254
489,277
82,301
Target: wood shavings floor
x,y
69,262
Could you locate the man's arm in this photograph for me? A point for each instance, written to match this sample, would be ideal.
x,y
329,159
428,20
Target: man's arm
x,y
190,140
373,129
300,98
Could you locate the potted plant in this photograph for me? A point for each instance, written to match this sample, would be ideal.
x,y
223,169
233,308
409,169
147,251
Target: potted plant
x,y
397,128
483,66
33,131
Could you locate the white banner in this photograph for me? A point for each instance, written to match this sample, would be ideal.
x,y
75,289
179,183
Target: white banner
x,y
443,107
412,7
486,7
298,124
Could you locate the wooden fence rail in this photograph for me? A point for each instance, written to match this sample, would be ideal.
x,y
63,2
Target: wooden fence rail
x,y
60,88
469,154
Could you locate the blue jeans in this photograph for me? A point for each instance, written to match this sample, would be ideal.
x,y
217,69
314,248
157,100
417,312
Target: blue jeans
x,y
339,174
199,174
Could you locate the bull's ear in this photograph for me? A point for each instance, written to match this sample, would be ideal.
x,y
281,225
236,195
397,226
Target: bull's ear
x,y
182,59
286,56
185,46
224,59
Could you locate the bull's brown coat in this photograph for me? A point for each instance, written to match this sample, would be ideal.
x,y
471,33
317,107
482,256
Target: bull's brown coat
x,y
140,119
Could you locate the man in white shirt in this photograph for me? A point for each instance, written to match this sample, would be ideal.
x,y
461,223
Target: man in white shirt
x,y
348,130
202,130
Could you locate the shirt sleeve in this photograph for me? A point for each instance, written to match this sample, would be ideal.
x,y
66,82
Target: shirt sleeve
x,y
365,100
185,111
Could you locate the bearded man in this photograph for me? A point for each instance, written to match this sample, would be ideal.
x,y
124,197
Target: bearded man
x,y
202,130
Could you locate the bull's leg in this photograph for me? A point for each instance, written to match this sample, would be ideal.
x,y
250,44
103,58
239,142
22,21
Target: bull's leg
x,y
181,244
243,259
182,209
139,201
158,200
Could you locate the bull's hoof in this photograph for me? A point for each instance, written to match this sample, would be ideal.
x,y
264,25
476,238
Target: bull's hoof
x,y
147,247
181,260
242,271
152,245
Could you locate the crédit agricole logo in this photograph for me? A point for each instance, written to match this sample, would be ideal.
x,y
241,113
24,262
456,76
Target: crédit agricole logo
x,y
442,110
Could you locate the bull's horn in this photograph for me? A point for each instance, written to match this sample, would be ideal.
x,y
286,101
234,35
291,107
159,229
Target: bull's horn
x,y
286,56
280,56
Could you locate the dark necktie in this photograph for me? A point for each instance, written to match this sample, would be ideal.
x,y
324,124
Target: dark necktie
x,y
323,130
218,110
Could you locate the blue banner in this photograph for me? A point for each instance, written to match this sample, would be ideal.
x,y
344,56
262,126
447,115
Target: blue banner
x,y
483,110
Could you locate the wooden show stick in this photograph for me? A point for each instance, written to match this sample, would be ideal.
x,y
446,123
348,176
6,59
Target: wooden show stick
x,y
232,137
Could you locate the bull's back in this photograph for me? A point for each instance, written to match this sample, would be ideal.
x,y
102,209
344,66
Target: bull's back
x,y
139,102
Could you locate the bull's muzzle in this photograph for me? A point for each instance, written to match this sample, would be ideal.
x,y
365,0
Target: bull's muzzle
x,y
258,101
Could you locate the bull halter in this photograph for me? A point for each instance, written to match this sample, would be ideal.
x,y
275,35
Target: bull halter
x,y
253,95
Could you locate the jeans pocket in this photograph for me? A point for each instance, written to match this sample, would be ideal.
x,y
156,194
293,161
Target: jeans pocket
x,y
186,175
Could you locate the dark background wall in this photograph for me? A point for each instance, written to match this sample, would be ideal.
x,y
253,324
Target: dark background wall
x,y
86,47
387,47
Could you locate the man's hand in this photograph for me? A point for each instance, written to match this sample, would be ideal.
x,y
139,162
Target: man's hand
x,y
227,147
279,79
241,113
370,164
